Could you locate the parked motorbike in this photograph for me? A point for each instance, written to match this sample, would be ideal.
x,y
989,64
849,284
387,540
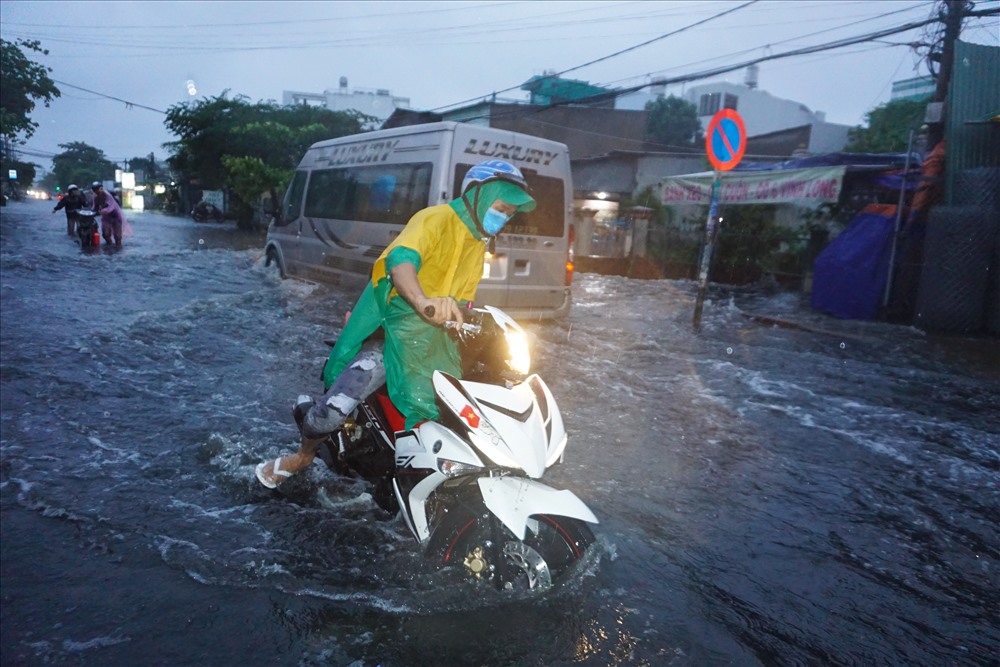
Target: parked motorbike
x,y
88,229
466,485
203,212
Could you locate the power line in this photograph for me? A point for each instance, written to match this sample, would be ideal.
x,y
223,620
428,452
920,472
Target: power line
x,y
215,26
355,38
776,56
618,53
127,104
785,41
601,97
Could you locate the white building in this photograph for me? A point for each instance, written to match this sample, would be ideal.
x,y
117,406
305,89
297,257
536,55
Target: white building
x,y
378,103
763,113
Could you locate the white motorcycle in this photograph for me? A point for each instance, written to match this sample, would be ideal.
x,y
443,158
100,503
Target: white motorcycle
x,y
467,484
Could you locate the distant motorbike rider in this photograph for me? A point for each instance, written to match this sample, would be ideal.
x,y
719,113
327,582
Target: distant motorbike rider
x,y
112,218
420,281
71,203
202,211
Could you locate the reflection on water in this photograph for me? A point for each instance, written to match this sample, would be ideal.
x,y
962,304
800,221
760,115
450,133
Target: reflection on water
x,y
823,493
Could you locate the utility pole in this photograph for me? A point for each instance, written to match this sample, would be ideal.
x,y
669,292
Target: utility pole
x,y
952,12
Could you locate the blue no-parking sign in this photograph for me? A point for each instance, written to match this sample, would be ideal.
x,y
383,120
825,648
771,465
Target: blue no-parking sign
x,y
726,140
725,143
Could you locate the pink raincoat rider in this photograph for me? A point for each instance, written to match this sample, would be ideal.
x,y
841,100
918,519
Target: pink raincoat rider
x,y
112,219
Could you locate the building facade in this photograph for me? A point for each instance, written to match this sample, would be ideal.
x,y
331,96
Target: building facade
x,y
765,114
378,103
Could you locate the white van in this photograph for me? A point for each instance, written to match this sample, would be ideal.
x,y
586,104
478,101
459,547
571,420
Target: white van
x,y
350,197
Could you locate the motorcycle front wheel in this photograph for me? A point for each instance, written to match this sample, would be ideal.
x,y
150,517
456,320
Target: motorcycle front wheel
x,y
487,551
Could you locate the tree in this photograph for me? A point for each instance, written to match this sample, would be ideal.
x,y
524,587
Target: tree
x,y
672,122
248,148
888,128
147,165
251,176
81,164
26,171
24,82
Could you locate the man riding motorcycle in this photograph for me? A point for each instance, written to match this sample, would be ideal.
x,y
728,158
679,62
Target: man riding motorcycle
x,y
421,280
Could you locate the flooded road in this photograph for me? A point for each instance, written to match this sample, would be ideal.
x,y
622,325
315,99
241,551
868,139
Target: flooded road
x,y
821,494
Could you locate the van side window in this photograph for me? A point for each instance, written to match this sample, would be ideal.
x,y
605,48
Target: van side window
x,y
379,193
548,218
291,206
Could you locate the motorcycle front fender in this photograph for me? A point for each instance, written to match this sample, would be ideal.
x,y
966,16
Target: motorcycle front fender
x,y
514,499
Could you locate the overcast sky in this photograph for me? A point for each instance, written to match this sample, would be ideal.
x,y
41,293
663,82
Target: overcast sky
x,y
439,53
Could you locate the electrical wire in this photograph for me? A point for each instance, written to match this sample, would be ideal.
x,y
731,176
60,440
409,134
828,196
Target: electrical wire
x,y
609,95
620,52
355,37
127,103
727,56
215,26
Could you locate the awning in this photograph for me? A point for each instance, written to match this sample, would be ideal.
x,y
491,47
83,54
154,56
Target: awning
x,y
808,187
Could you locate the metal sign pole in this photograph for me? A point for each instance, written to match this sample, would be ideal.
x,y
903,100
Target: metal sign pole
x,y
899,218
711,230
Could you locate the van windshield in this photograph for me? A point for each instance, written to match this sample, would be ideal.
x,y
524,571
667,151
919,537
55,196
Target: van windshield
x,y
383,193
548,217
292,204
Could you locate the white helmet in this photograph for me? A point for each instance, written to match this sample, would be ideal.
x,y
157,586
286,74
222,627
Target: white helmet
x,y
493,170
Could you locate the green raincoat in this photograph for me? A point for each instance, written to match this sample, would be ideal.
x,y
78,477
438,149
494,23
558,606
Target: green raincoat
x,y
447,249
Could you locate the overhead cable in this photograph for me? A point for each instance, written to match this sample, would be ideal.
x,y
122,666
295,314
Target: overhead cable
x,y
626,50
684,78
127,104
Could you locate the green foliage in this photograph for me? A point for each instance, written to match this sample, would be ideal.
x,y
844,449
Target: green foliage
x,y
23,82
673,122
751,245
248,177
888,128
213,128
82,164
50,182
26,171
147,165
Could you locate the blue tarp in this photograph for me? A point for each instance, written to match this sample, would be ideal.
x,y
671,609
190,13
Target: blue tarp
x,y
850,274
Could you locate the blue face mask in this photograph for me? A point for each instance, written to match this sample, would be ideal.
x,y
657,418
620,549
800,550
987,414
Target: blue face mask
x,y
494,221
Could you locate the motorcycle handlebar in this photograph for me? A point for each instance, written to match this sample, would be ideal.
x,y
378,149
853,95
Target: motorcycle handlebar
x,y
465,327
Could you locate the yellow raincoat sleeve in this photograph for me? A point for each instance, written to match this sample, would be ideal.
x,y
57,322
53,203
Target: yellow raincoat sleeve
x,y
451,259
450,264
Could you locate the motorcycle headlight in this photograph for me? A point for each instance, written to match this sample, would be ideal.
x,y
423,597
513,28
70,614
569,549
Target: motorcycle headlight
x,y
520,357
455,468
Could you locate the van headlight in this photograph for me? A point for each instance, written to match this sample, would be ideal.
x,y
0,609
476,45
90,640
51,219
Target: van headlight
x,y
517,346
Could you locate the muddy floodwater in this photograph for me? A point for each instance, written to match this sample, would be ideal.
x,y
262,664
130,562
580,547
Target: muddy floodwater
x,y
820,494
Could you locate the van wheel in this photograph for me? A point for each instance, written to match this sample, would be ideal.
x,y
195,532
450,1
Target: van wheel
x,y
272,258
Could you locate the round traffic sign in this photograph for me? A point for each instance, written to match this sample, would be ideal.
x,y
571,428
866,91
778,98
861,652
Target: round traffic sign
x,y
726,139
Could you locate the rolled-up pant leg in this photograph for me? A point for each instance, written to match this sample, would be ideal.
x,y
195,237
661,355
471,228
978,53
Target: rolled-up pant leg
x,y
356,382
